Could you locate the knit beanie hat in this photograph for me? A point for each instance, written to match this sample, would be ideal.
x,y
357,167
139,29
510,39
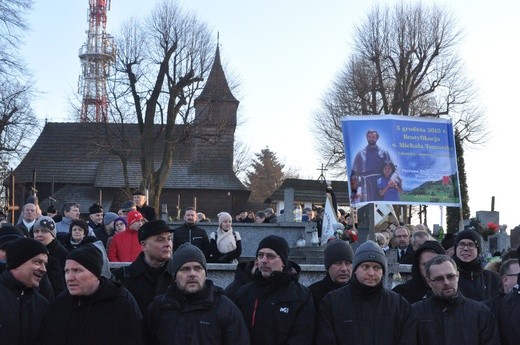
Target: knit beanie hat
x,y
133,216
95,208
21,250
468,235
120,219
337,250
187,252
222,216
128,206
9,233
369,252
88,256
46,223
278,244
109,218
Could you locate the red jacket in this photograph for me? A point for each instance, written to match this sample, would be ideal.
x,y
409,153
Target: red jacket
x,y
124,247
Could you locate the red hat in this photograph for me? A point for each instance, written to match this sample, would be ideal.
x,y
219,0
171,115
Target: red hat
x,y
133,216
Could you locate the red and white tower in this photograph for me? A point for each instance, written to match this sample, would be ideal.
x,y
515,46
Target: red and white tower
x,y
96,55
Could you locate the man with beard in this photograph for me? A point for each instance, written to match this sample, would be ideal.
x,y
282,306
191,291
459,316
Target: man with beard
x,y
417,288
338,256
363,311
439,318
93,309
474,281
151,273
368,164
22,308
276,307
191,233
193,310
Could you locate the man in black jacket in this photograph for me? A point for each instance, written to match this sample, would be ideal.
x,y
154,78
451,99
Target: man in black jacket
x,y
151,273
474,281
363,311
338,256
193,311
439,318
276,307
191,233
93,309
417,288
21,307
147,211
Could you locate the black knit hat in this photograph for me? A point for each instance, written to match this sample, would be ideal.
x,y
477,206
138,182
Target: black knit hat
x,y
187,252
9,233
471,235
21,250
151,228
88,256
337,250
278,244
369,252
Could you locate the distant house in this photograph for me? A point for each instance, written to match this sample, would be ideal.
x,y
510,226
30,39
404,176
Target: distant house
x,y
82,162
309,193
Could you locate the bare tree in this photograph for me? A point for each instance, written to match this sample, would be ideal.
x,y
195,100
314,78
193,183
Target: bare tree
x,y
404,63
242,158
161,64
18,125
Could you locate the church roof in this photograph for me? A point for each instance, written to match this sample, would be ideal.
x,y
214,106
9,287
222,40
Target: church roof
x,y
83,154
217,87
313,191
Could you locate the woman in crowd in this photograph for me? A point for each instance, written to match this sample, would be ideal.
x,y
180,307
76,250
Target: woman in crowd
x,y
225,244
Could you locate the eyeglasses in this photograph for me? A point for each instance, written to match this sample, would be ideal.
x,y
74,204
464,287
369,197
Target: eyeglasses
x,y
512,275
450,277
269,256
468,245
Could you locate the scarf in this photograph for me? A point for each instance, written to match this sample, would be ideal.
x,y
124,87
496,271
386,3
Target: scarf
x,y
226,241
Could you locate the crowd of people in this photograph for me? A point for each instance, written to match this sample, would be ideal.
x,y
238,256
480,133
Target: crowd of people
x,y
62,291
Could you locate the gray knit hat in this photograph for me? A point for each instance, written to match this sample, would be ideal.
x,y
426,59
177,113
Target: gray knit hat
x,y
46,223
109,218
337,250
187,252
369,252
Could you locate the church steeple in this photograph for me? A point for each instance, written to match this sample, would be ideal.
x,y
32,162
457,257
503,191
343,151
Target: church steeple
x,y
217,87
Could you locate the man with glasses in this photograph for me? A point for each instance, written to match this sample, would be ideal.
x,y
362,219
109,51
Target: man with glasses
x,y
277,309
363,311
438,319
405,252
508,272
474,281
193,310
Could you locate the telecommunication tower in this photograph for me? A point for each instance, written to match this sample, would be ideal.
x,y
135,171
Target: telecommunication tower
x,y
97,56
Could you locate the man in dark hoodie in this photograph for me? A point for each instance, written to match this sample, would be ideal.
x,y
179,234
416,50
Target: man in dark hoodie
x,y
417,288
338,256
474,281
93,309
277,309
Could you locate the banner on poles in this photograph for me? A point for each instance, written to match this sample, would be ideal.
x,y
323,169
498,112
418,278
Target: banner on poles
x,y
401,160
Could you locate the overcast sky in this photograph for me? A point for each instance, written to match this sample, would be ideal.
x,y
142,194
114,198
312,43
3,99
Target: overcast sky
x,y
285,54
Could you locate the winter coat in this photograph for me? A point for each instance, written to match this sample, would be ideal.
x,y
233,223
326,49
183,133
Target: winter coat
x,y
475,282
278,310
322,287
110,316
124,247
218,257
360,314
508,318
460,321
192,234
145,282
204,318
243,276
417,288
21,311
148,212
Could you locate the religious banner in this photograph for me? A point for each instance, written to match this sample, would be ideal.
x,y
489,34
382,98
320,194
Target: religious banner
x,y
401,160
330,221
